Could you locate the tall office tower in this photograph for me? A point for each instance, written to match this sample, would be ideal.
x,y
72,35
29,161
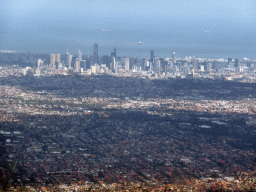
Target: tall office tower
x,y
201,68
79,55
83,65
155,64
229,61
52,59
77,65
173,57
195,64
95,54
58,58
236,62
127,64
145,64
116,68
69,60
158,67
231,65
105,60
40,62
113,54
150,66
152,55
209,67
113,63
175,68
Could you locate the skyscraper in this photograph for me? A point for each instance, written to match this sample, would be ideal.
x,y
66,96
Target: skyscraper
x,y
52,59
209,67
173,57
77,65
127,64
70,57
195,64
152,55
236,62
229,61
95,54
105,60
113,54
58,58
79,55
67,59
158,67
40,62
83,65
156,64
113,63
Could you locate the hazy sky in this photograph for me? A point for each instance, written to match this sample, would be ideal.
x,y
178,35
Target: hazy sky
x,y
108,12
24,21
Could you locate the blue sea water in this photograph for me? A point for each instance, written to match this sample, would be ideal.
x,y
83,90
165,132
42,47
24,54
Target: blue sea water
x,y
137,42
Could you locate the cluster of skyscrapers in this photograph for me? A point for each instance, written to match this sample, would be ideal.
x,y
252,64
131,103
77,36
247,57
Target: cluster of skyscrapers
x,y
76,63
154,65
113,64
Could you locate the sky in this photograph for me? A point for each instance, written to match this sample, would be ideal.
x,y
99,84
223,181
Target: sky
x,y
193,26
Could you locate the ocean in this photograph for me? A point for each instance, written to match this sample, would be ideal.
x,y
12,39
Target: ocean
x,y
199,42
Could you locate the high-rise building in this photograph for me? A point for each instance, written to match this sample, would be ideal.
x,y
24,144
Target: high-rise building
x,y
113,54
127,64
159,67
52,59
79,55
209,67
95,54
83,64
156,64
95,68
113,63
229,61
201,68
173,57
238,69
152,55
67,59
58,58
236,62
105,60
70,57
195,64
77,65
231,65
116,67
40,62
145,64
175,68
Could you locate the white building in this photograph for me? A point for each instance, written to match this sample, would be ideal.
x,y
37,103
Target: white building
x,y
127,64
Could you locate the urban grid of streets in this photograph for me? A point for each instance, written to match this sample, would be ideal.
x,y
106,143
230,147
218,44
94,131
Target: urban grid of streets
x,y
133,128
83,137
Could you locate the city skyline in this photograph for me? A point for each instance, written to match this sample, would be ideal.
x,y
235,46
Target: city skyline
x,y
127,95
